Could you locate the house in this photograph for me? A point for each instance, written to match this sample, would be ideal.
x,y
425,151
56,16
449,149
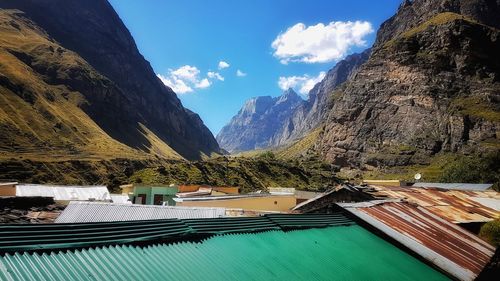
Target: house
x,y
8,188
446,245
155,194
64,193
262,202
77,212
383,182
325,202
214,190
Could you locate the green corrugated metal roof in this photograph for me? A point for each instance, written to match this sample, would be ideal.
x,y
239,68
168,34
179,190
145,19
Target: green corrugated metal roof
x,y
18,237
333,253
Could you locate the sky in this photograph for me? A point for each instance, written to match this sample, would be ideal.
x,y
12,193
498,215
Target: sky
x,y
217,54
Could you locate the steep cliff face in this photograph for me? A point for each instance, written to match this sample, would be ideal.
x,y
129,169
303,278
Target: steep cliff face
x,y
311,113
81,56
258,121
431,85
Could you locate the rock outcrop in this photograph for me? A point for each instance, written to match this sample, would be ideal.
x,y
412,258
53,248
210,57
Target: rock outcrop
x,y
431,85
75,67
311,113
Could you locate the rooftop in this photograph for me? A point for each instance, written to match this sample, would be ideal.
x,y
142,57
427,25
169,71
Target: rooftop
x,y
319,254
102,212
457,206
448,246
457,186
64,192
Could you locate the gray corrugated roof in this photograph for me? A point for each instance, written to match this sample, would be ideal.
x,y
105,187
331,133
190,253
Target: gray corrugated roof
x,y
458,186
62,192
103,212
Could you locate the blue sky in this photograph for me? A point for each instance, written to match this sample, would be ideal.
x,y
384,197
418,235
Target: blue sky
x,y
186,41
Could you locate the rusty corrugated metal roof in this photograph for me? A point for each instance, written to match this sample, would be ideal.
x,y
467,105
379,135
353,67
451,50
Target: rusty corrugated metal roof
x,y
442,243
457,206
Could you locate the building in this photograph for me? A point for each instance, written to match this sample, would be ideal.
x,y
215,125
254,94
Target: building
x,y
8,188
214,190
322,247
455,186
456,206
64,193
325,202
450,247
266,202
151,194
77,212
384,182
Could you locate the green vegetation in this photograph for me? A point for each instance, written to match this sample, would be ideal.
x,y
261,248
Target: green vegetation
x,y
248,174
448,167
475,107
485,169
438,19
300,147
40,106
491,232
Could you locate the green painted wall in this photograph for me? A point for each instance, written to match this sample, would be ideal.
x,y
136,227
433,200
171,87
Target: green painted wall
x,y
150,191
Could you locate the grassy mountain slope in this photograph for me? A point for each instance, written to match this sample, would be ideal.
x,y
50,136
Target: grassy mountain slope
x,y
41,113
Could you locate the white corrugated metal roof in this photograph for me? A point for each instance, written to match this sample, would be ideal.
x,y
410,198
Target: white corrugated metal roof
x,y
101,212
66,193
459,186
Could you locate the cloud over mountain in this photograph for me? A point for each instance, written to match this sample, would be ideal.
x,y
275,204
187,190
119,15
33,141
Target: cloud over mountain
x,y
320,43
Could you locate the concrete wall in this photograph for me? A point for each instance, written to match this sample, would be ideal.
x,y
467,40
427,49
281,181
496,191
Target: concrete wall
x,y
8,189
269,203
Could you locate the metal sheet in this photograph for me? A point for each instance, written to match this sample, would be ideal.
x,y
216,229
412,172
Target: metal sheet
x,y
64,193
456,206
450,247
101,212
16,237
336,253
457,186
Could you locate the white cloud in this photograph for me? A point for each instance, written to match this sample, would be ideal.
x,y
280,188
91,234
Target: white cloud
x,y
240,73
320,43
204,83
187,72
303,83
215,75
223,64
177,85
183,79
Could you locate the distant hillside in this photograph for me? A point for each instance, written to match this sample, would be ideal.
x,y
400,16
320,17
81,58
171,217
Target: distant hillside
x,y
257,122
74,86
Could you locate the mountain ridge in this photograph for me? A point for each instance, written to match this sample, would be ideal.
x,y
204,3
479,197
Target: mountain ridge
x,y
132,107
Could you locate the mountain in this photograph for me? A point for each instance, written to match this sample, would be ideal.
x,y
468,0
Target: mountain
x,y
311,113
74,85
257,122
264,122
430,87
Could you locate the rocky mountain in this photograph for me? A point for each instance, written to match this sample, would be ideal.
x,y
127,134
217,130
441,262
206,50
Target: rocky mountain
x,y
258,121
311,113
264,122
431,86
74,85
